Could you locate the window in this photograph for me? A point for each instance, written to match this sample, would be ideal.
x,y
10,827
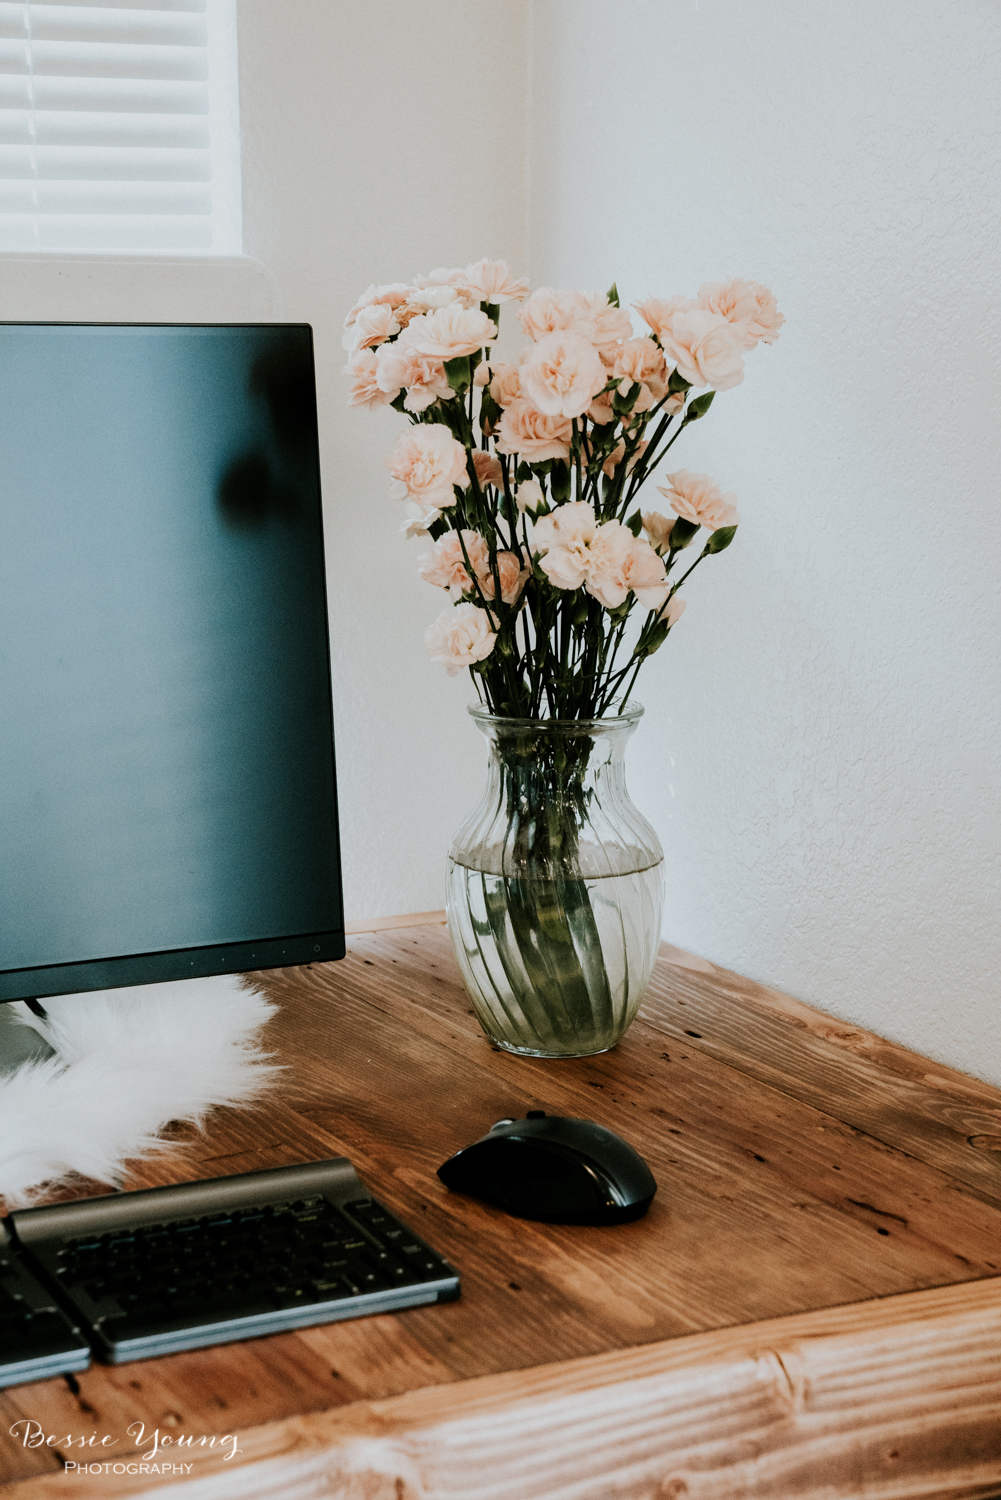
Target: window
x,y
119,127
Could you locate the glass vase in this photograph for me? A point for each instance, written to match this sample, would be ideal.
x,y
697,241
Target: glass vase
x,y
555,887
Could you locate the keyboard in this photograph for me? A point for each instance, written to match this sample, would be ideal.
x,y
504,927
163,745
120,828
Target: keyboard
x,y
166,1269
37,1340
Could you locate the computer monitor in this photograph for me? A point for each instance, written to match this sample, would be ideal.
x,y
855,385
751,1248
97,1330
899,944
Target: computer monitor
x,y
167,795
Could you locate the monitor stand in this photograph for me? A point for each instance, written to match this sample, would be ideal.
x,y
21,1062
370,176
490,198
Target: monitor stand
x,y
19,1043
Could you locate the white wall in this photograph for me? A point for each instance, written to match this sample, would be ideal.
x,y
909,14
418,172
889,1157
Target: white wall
x,y
820,753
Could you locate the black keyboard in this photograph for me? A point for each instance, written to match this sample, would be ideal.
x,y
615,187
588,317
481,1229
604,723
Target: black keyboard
x,y
203,1263
37,1340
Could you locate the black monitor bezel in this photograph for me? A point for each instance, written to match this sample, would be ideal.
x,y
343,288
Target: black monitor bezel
x,y
125,970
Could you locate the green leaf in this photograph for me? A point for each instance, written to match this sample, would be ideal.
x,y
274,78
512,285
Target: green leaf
x,y
613,295
721,539
580,608
677,383
635,523
559,480
699,406
682,533
524,472
457,373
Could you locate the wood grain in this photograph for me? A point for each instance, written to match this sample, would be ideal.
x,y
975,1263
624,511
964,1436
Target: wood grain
x,y
802,1165
759,1411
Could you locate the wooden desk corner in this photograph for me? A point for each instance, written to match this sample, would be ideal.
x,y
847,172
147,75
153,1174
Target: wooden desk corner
x,y
811,1310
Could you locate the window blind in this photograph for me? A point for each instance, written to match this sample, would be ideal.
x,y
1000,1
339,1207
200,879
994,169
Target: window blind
x,y
119,127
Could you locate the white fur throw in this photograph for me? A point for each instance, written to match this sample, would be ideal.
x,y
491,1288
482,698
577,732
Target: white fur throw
x,y
127,1063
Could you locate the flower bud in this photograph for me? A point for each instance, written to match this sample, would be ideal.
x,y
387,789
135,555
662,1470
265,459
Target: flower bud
x,y
530,496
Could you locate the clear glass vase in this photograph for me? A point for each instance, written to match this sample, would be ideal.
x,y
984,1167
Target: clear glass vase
x,y
555,887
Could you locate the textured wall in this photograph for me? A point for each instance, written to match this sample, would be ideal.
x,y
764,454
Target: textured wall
x,y
820,753
381,141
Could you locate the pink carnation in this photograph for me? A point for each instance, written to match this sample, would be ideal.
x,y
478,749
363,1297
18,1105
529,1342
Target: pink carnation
x,y
511,574
505,383
622,564
492,281
423,378
659,311
445,565
450,333
373,325
363,367
748,306
562,374
393,294
704,348
658,528
426,462
533,434
699,499
548,311
601,321
566,536
488,469
460,637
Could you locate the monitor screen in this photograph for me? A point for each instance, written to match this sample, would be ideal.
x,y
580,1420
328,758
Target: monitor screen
x,y
167,795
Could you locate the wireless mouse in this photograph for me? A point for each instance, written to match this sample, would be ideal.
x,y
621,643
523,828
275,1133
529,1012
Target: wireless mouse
x,y
555,1170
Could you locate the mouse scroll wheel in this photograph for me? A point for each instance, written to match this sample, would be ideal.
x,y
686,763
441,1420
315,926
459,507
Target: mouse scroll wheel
x,y
498,1123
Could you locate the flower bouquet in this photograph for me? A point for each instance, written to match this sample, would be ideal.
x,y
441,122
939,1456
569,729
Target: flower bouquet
x,y
524,479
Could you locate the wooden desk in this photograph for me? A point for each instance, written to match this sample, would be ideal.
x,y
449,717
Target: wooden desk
x,y
808,1310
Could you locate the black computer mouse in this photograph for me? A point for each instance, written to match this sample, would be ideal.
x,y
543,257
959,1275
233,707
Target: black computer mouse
x,y
556,1170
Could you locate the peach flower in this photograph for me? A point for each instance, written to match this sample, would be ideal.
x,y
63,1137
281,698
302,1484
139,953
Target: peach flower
x,y
492,281
482,375
363,367
601,321
644,574
449,333
443,276
565,537
601,410
673,610
423,377
511,574
505,383
533,434
622,564
460,637
705,348
562,374
640,361
658,528
420,519
699,499
748,306
606,564
392,294
548,311
373,325
658,312
445,565
488,469
426,462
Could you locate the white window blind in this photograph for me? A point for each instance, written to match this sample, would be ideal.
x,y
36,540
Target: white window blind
x,y
119,127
